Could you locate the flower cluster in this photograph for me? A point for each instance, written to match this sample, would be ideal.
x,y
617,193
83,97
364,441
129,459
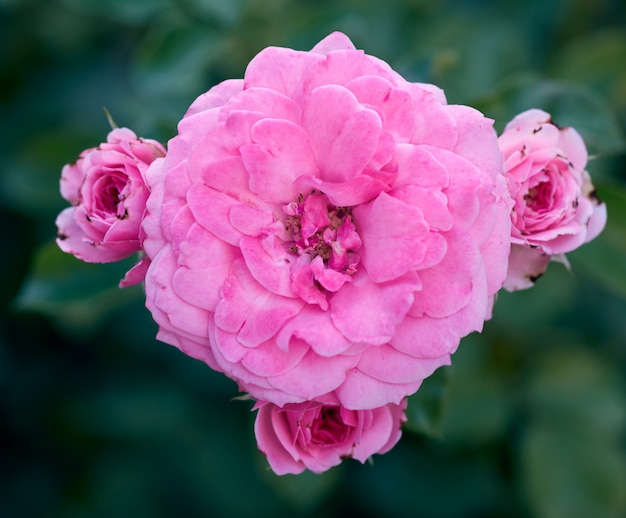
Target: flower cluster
x,y
325,232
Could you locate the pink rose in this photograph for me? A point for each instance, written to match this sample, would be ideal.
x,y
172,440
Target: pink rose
x,y
325,230
108,193
555,206
317,437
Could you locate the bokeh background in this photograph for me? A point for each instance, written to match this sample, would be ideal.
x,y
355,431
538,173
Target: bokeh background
x,y
100,419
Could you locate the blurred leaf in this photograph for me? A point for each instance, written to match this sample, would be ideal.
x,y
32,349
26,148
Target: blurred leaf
x,y
31,183
304,492
597,59
573,390
477,405
425,408
174,59
568,475
127,411
572,463
126,11
469,70
223,12
604,259
424,478
75,293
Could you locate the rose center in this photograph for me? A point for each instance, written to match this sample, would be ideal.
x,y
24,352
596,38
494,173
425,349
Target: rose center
x,y
328,428
539,196
107,193
318,228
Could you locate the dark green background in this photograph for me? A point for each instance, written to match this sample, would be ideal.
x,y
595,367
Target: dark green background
x,y
102,420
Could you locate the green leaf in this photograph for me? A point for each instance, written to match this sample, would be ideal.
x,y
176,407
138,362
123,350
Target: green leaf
x,y
425,408
76,294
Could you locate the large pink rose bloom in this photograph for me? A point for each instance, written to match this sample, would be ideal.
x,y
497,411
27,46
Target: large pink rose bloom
x,y
325,230
108,192
555,207
317,437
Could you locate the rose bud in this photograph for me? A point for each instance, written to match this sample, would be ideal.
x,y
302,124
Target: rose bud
x,y
555,206
317,437
107,189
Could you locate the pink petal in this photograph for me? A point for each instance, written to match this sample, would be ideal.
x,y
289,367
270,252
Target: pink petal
x,y
597,222
136,274
361,392
249,220
434,124
573,147
280,152
334,41
449,285
466,190
72,178
279,69
393,235
367,312
204,265
472,128
314,376
387,364
269,265
394,105
526,265
280,460
263,360
427,337
211,209
376,435
417,166
339,67
248,309
263,101
73,239
313,326
268,360
214,98
344,135
227,175
186,319
348,193
495,251
432,203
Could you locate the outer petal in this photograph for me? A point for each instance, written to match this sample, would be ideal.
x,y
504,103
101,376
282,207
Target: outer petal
x,y
251,311
367,312
526,265
360,391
